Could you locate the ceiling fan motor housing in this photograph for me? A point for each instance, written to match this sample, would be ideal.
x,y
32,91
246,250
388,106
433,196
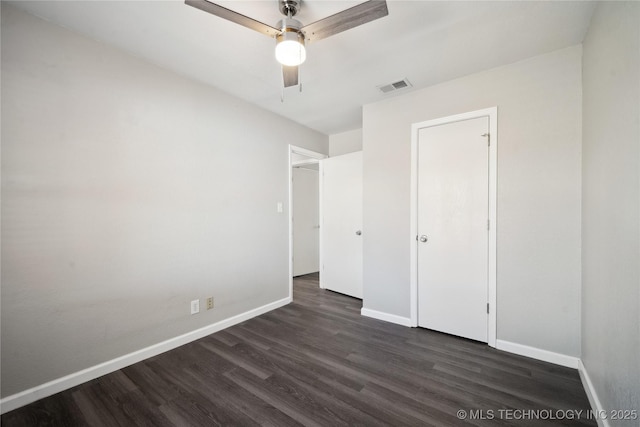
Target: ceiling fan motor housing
x,y
288,26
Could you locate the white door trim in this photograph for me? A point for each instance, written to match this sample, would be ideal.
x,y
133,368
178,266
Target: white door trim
x,y
314,157
492,113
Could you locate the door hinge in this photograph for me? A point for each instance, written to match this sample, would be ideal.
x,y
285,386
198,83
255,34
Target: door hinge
x,y
488,224
487,308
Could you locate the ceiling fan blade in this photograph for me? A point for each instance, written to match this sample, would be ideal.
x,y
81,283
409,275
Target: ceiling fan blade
x,y
345,20
290,75
232,16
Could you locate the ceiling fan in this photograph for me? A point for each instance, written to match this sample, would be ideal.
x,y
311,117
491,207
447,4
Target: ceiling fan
x,y
291,35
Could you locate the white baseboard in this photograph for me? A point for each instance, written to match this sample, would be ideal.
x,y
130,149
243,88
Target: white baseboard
x,y
404,321
596,406
17,400
536,353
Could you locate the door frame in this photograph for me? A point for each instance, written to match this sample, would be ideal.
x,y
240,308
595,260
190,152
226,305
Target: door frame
x,y
315,157
492,114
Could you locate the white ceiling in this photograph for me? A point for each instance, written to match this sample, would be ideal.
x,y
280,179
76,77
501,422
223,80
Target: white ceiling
x,y
425,41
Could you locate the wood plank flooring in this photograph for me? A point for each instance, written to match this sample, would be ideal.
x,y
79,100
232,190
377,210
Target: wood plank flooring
x,y
317,362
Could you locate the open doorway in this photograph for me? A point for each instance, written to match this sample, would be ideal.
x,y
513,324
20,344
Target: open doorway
x,y
304,212
306,219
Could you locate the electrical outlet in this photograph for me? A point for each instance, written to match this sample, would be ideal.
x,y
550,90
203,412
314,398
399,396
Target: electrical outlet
x,y
209,303
195,306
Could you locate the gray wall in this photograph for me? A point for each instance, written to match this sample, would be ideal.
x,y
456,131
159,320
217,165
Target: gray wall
x,y
127,191
345,142
610,209
539,192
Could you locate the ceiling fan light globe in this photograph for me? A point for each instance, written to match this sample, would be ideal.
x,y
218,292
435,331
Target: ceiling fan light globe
x,y
290,49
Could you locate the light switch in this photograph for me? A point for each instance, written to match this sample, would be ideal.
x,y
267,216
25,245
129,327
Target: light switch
x,y
279,207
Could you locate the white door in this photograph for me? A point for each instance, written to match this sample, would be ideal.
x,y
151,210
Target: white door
x,y
453,197
341,227
306,220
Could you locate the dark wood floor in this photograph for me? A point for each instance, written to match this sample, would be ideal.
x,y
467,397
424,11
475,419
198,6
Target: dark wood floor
x,y
317,362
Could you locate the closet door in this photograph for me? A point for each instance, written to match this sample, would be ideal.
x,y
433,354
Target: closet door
x,y
453,228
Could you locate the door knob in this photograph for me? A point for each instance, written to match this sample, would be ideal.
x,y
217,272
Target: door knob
x,y
358,233
423,238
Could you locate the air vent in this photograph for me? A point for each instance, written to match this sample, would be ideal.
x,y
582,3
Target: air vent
x,y
400,84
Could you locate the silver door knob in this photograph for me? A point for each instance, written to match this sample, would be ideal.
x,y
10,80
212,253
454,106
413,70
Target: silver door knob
x,y
358,233
423,238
